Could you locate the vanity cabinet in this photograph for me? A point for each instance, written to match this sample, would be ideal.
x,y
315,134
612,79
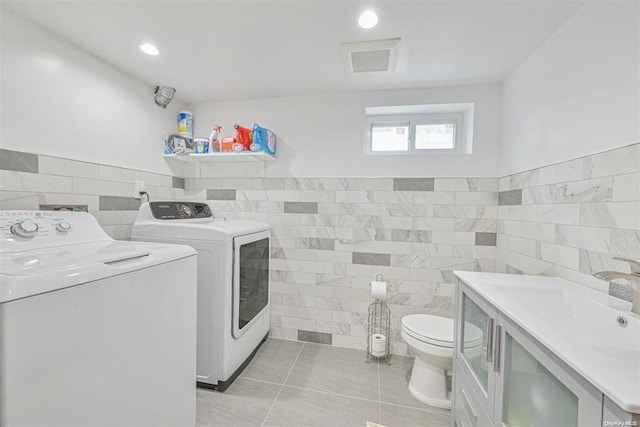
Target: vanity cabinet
x,y
475,362
613,415
511,379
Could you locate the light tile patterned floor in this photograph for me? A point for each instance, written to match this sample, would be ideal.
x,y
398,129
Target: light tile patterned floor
x,y
291,383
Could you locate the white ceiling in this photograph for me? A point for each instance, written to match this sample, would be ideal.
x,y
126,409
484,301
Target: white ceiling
x,y
222,50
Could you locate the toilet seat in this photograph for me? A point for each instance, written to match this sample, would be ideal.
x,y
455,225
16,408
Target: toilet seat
x,y
438,330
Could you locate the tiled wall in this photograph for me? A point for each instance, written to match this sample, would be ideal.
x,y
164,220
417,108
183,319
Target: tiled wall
x,y
571,218
332,236
28,181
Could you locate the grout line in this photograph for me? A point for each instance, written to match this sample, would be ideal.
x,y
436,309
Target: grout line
x,y
282,386
259,381
432,410
330,393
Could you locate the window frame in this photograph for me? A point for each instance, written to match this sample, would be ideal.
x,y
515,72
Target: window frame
x,y
459,114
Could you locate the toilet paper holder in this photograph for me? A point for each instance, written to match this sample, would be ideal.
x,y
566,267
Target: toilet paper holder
x,y
378,330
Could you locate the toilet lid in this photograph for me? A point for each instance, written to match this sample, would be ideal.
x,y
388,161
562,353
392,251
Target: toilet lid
x,y
437,329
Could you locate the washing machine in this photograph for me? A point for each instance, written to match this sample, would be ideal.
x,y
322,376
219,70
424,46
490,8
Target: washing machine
x,y
233,282
93,331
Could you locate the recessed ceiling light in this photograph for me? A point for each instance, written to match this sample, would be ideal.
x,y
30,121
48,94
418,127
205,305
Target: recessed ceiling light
x,y
149,49
368,19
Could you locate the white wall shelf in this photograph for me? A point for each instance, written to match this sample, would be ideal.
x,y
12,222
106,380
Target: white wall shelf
x,y
246,156
198,165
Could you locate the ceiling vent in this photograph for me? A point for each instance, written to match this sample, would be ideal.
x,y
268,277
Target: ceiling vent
x,y
371,56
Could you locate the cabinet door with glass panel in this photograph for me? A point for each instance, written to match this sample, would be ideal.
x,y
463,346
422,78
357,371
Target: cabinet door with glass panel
x,y
536,388
475,344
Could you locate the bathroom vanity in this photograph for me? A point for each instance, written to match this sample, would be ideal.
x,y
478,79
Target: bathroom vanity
x,y
554,353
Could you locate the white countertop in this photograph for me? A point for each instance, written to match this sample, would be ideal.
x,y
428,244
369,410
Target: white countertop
x,y
576,323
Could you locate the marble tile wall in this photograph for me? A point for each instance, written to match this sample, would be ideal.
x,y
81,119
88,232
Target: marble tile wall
x,y
29,180
332,236
570,219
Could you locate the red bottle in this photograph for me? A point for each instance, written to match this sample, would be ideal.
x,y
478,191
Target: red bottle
x,y
244,136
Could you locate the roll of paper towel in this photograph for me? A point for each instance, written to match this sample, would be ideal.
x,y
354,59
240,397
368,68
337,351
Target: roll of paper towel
x,y
378,345
379,290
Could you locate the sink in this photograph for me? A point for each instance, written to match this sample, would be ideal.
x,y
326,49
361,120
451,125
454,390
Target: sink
x,y
587,319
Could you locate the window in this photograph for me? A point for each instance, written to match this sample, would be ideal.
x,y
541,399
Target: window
x,y
390,137
438,136
419,129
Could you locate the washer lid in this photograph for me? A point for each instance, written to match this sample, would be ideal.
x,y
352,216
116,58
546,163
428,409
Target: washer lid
x,y
437,328
32,272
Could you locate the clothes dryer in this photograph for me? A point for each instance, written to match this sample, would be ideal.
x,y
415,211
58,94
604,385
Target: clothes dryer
x,y
233,282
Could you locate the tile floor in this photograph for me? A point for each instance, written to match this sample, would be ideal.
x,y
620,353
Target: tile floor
x,y
291,383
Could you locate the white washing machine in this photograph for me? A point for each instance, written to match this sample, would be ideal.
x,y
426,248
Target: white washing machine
x,y
233,282
93,331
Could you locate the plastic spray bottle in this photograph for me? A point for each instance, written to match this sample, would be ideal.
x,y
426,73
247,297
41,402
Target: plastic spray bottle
x,y
214,139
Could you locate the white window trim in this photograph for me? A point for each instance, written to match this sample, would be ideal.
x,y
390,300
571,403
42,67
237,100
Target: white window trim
x,y
460,114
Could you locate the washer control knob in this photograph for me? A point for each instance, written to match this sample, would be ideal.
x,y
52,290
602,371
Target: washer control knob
x,y
25,228
186,210
63,227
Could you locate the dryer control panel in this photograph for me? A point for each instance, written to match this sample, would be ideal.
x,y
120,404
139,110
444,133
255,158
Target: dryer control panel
x,y
180,210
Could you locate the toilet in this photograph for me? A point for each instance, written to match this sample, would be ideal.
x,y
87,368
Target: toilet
x,y
431,339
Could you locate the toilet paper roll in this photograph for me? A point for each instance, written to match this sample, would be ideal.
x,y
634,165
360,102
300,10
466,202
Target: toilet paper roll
x,y
378,345
379,290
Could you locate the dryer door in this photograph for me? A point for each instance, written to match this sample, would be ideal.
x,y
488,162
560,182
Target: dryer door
x,y
251,258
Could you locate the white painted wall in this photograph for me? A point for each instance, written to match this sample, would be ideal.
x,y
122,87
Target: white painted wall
x,y
61,101
324,135
578,94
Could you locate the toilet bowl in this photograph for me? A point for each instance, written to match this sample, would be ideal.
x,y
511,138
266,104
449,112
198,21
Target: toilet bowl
x,y
431,339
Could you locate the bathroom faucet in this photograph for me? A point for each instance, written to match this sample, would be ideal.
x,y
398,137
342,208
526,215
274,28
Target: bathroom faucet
x,y
633,278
